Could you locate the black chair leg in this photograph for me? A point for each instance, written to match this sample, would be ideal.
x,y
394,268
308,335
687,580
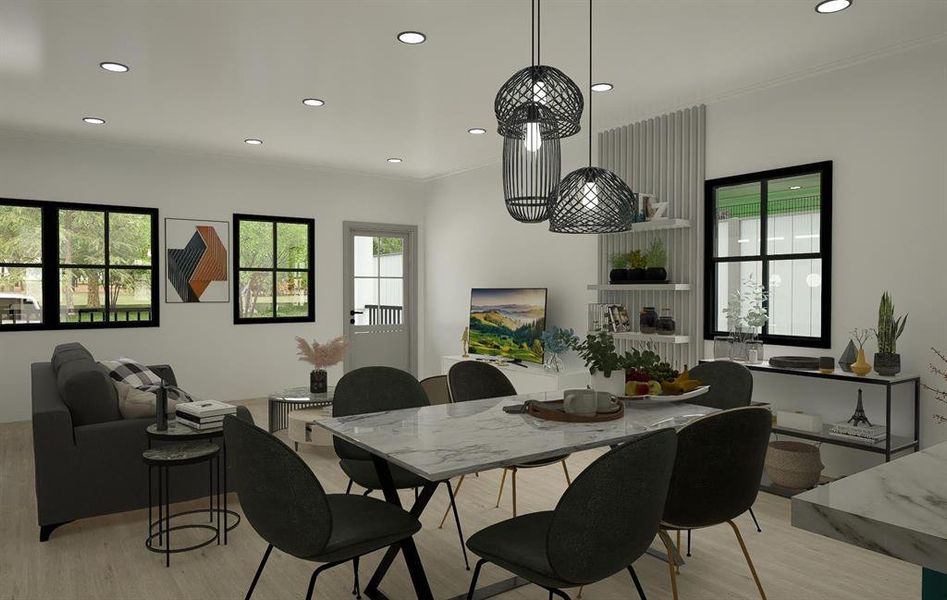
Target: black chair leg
x,y
348,488
755,522
473,580
460,533
312,580
558,594
634,577
357,589
366,492
259,571
688,542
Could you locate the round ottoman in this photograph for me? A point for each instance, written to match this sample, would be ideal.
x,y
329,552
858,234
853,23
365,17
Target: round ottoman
x,y
316,436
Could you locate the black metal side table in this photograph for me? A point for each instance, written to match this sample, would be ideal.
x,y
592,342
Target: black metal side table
x,y
176,455
280,404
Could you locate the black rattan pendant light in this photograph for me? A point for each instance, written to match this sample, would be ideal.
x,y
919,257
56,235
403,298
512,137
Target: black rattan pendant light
x,y
591,199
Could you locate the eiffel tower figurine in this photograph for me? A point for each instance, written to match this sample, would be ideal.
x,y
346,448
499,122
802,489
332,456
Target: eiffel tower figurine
x,y
859,418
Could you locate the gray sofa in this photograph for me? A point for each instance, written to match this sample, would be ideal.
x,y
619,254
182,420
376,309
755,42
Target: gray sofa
x,y
87,457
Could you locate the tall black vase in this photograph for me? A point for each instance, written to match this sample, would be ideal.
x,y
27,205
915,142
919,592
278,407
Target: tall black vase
x,y
161,407
318,381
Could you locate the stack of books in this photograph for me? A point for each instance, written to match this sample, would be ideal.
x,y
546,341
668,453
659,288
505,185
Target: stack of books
x,y
204,414
866,433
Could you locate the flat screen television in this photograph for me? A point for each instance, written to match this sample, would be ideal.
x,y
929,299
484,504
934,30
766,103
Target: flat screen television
x,y
508,322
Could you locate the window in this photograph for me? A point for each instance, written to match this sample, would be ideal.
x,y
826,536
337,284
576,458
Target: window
x,y
71,266
772,229
273,269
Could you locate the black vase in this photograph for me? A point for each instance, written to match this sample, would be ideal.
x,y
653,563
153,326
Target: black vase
x,y
318,381
618,275
636,274
656,274
648,320
887,364
161,407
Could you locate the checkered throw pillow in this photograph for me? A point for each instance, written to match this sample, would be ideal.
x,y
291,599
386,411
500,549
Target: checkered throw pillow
x,y
141,377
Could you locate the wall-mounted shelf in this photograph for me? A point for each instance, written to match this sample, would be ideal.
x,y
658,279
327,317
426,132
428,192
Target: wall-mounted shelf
x,y
634,336
640,287
661,224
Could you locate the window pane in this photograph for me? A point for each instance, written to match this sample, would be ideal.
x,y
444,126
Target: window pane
x,y
390,254
731,278
81,237
256,294
292,294
21,234
795,302
366,299
256,244
81,295
21,291
130,294
366,265
391,309
737,215
129,239
794,205
292,245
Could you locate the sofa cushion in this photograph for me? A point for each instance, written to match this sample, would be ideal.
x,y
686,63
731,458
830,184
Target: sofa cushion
x,y
84,387
137,375
135,403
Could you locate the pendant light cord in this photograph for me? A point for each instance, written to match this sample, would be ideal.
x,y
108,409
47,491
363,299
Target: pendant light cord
x,y
539,32
590,83
532,32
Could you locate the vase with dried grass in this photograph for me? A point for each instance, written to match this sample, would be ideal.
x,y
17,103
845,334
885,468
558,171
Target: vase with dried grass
x,y
321,356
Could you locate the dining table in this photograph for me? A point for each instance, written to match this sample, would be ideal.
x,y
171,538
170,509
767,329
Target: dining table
x,y
449,440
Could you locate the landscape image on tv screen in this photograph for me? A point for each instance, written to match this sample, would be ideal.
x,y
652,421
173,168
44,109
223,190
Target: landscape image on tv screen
x,y
508,322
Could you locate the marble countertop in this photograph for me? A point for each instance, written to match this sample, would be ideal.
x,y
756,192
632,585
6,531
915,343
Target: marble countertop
x,y
443,441
898,509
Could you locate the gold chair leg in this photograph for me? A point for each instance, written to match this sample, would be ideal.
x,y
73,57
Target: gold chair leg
x,y
579,595
502,481
460,482
514,490
671,566
749,562
565,469
677,568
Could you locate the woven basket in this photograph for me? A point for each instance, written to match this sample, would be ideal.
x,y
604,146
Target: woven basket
x,y
793,465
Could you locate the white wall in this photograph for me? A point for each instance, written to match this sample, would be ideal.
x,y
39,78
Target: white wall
x,y
211,356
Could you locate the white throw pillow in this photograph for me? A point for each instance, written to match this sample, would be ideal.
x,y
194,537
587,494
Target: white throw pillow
x,y
134,403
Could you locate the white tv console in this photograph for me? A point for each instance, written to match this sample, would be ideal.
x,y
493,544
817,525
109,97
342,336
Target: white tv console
x,y
529,378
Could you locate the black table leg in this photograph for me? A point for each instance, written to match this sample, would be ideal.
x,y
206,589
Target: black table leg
x,y
421,587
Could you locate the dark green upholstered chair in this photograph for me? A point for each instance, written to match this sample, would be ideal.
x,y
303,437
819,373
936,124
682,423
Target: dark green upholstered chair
x,y
473,380
605,520
376,389
716,475
284,502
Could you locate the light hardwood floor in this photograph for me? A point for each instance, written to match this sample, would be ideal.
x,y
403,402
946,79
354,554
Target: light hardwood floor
x,y
105,557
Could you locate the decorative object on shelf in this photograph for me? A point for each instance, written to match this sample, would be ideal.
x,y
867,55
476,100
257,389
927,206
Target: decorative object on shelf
x,y
848,357
618,317
606,366
799,420
592,199
465,340
723,347
869,433
939,394
861,367
648,320
556,342
826,365
637,265
859,417
198,255
654,210
887,359
746,314
619,272
793,465
754,351
802,363
665,324
644,200
321,356
656,259
598,317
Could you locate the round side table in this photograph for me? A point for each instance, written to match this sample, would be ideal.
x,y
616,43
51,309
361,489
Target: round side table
x,y
163,459
281,403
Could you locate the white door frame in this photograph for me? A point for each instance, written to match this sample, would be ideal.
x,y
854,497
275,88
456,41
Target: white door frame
x,y
352,228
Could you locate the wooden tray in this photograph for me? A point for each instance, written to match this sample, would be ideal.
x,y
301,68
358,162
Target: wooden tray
x,y
552,411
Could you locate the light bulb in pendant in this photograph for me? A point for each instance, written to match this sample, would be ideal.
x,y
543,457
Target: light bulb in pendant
x,y
533,140
589,194
539,93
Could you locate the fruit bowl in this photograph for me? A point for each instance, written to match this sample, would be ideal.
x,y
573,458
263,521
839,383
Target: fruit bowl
x,y
699,391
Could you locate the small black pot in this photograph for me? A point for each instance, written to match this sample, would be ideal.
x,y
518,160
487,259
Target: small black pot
x,y
636,274
318,381
618,275
887,364
656,274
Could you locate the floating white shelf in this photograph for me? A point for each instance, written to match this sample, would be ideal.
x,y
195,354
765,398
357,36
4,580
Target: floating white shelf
x,y
640,287
661,224
634,336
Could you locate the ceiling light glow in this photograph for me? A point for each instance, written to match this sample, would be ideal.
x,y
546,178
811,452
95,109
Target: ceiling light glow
x,y
827,7
476,131
394,160
93,120
412,38
253,141
602,87
114,67
313,102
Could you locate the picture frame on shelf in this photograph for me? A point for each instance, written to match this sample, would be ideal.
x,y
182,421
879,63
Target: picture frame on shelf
x,y
618,319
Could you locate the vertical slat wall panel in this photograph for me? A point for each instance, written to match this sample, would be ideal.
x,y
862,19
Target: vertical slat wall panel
x,y
663,156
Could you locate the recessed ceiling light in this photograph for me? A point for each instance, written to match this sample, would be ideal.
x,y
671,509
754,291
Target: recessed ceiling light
x,y
795,187
253,141
602,87
411,37
114,67
93,120
394,160
313,102
827,7
476,131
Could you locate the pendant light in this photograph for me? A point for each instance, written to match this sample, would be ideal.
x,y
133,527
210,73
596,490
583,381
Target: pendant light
x,y
591,199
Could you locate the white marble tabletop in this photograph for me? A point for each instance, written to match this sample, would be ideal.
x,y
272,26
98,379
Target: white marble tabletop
x,y
443,441
898,508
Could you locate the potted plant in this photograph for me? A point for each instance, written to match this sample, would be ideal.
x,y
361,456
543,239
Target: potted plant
x,y
887,359
656,260
556,342
320,356
636,266
619,272
861,367
747,313
605,364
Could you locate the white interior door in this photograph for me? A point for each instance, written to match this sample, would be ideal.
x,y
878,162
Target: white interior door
x,y
379,300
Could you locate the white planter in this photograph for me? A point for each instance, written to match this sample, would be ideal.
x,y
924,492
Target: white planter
x,y
614,385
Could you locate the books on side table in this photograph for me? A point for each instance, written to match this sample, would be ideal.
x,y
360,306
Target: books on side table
x,y
204,414
866,433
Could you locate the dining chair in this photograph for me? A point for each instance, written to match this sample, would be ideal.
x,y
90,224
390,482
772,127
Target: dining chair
x,y
286,505
716,476
473,380
376,389
436,389
604,521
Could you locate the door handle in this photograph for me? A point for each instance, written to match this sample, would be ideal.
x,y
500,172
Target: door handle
x,y
353,312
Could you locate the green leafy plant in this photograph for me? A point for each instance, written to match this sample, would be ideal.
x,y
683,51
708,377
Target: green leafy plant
x,y
558,340
648,364
746,310
861,336
619,261
598,352
657,256
637,260
889,329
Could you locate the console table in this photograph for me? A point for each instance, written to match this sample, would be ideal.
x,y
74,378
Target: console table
x,y
527,378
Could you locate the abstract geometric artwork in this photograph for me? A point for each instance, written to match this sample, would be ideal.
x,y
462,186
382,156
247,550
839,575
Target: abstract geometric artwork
x,y
197,260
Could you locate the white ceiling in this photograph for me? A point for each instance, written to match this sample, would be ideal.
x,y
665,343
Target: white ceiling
x,y
207,74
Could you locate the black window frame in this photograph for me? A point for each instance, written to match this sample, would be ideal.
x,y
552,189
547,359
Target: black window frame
x,y
824,169
50,266
310,317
